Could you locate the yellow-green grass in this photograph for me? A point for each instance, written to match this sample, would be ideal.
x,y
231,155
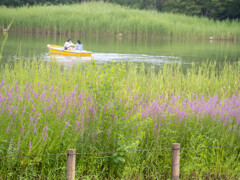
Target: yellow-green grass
x,y
207,79
104,18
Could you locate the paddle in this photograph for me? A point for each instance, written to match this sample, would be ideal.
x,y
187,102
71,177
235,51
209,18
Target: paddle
x,y
60,51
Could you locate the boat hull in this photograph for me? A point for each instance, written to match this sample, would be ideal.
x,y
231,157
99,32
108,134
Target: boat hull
x,y
59,50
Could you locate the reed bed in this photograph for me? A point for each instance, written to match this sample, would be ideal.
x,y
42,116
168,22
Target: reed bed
x,y
47,109
110,19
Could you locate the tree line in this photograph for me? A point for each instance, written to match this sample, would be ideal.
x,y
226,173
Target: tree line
x,y
215,9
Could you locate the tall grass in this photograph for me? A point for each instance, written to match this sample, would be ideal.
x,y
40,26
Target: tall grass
x,y
48,109
105,18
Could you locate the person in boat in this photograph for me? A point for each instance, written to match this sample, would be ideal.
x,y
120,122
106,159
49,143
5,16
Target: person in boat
x,y
79,46
68,45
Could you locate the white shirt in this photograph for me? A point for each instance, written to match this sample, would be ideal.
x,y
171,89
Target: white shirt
x,y
68,45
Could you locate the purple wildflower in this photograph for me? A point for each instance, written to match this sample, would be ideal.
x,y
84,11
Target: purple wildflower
x,y
31,119
21,130
109,132
33,109
2,83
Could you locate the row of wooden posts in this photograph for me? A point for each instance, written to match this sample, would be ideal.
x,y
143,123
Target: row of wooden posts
x,y
71,162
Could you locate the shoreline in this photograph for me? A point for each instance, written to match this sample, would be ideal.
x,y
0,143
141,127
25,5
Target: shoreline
x,y
112,35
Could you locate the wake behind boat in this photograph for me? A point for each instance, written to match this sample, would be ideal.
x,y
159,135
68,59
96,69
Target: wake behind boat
x,y
59,50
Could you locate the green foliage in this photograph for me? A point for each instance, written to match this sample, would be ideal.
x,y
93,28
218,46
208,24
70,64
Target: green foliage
x,y
105,90
216,9
5,34
108,81
104,18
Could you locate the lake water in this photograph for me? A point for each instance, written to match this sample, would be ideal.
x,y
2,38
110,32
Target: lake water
x,y
150,52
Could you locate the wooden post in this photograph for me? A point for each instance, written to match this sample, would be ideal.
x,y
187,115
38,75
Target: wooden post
x,y
71,160
175,161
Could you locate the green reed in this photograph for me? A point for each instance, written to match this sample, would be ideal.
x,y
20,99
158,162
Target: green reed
x,y
98,18
207,79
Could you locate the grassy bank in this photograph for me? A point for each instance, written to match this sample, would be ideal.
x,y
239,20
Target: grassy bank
x,y
110,19
46,109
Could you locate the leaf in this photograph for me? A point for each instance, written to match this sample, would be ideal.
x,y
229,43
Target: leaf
x,y
121,159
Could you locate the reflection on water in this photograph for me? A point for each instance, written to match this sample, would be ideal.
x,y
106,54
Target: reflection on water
x,y
149,52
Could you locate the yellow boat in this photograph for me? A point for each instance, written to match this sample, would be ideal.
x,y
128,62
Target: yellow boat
x,y
54,49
